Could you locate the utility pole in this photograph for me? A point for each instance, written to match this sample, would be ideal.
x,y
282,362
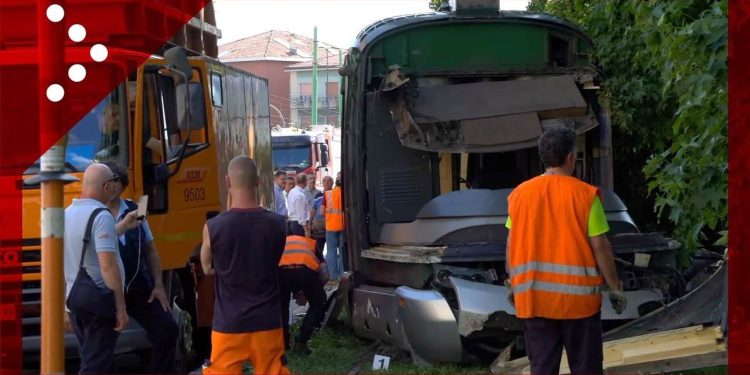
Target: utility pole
x,y
50,48
314,120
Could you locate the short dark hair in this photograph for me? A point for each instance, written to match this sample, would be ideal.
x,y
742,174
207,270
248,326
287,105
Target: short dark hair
x,y
279,173
555,144
119,170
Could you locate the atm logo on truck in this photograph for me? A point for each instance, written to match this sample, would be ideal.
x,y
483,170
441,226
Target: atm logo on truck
x,y
193,175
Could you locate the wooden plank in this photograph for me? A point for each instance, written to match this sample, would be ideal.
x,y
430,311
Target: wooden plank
x,y
446,173
464,169
674,350
673,365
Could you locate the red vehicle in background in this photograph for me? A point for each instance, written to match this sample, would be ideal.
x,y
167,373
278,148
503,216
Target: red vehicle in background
x,y
308,151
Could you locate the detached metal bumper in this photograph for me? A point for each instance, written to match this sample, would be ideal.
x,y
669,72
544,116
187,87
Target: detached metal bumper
x,y
430,327
423,323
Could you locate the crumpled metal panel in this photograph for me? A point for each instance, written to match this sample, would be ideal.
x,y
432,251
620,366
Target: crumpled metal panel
x,y
429,326
477,301
706,304
635,298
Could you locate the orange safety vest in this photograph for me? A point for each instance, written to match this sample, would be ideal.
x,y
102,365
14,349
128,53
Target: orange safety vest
x,y
300,251
553,271
334,214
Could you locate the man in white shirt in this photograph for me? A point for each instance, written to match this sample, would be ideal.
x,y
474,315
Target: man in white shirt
x,y
299,209
97,335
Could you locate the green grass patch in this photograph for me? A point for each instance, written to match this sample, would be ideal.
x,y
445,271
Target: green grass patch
x,y
333,351
338,350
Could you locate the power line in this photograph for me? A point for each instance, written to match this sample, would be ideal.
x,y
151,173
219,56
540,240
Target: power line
x,y
280,97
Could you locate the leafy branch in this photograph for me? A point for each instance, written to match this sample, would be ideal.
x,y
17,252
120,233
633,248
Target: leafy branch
x,y
666,71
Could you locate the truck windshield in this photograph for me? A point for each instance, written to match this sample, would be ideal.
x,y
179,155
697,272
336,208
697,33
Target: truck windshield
x,y
291,156
100,135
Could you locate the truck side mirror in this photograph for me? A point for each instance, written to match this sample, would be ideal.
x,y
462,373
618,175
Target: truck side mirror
x,y
178,61
323,155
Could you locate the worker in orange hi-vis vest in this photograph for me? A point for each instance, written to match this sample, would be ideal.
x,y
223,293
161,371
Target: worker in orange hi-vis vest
x,y
558,258
333,208
300,270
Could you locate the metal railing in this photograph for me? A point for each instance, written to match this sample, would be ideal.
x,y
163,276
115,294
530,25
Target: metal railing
x,y
305,101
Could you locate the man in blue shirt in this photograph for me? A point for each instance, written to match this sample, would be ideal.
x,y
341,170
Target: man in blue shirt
x,y
318,217
145,296
279,179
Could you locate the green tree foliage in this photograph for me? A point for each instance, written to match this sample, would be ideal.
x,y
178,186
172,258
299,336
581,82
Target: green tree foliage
x,y
665,80
435,4
537,6
576,11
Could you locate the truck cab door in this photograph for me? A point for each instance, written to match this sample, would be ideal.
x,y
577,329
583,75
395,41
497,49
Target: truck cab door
x,y
175,160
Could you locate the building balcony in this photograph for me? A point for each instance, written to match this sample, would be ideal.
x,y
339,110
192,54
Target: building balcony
x,y
305,102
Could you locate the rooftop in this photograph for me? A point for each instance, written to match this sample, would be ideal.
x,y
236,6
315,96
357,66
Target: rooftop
x,y
275,45
329,61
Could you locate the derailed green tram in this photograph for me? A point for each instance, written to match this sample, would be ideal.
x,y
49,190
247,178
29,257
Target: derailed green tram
x,y
442,114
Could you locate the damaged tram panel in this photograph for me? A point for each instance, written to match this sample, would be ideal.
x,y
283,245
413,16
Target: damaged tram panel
x,y
440,126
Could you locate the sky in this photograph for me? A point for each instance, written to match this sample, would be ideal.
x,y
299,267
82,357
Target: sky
x,y
338,21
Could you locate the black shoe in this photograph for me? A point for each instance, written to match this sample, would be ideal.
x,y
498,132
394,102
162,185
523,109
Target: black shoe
x,y
301,348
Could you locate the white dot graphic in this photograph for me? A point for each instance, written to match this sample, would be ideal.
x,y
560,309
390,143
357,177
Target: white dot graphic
x,y
55,93
55,13
76,73
99,52
77,33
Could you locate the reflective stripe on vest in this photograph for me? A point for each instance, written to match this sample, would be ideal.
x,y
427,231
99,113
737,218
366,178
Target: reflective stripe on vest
x,y
334,214
545,286
300,251
553,271
554,268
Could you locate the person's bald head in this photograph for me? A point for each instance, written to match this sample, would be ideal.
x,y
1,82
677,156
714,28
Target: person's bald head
x,y
301,180
97,180
243,173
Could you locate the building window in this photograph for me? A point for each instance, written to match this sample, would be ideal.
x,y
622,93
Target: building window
x,y
305,88
332,89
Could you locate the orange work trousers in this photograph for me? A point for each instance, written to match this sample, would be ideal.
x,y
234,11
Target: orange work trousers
x,y
263,349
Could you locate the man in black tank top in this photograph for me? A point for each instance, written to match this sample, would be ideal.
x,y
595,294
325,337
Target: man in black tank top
x,y
242,248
